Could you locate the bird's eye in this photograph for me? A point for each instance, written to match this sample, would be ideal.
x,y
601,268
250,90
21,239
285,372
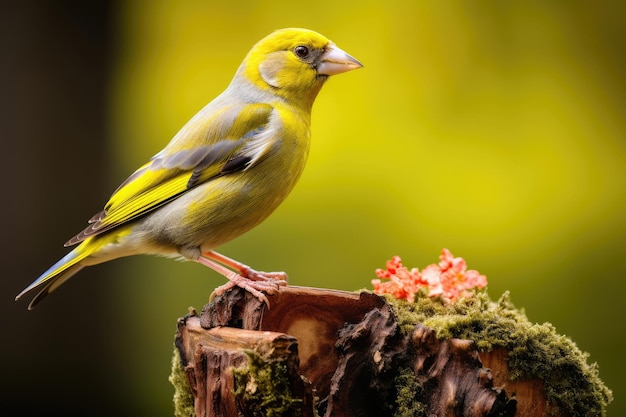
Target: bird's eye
x,y
301,51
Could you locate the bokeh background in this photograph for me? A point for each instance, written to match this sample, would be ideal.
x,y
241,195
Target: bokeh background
x,y
495,129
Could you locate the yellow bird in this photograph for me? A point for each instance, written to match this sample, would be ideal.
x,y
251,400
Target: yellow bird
x,y
222,174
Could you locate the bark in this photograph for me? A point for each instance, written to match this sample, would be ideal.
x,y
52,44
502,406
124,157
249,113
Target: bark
x,y
344,349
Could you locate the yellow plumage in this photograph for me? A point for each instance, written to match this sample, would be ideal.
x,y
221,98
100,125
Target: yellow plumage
x,y
223,173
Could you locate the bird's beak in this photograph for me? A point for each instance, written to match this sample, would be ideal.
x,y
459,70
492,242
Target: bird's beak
x,y
335,61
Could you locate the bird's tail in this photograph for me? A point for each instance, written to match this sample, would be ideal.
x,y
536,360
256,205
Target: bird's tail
x,y
56,275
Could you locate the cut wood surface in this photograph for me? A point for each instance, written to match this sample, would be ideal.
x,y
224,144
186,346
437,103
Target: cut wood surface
x,y
346,351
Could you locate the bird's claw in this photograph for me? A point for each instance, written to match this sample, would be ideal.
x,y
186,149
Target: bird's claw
x,y
280,278
255,282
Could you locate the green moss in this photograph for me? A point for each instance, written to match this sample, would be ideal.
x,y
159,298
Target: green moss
x,y
183,398
264,386
572,386
410,401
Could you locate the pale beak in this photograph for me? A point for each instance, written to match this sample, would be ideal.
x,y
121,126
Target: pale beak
x,y
335,61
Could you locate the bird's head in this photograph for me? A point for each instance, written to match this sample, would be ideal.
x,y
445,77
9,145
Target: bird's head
x,y
294,63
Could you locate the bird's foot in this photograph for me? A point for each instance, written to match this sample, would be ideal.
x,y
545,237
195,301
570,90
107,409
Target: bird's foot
x,y
279,278
255,282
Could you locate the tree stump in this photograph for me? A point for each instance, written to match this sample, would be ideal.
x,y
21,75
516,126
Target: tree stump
x,y
334,353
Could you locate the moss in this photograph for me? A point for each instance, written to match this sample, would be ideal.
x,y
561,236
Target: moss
x,y
264,386
410,401
572,386
183,398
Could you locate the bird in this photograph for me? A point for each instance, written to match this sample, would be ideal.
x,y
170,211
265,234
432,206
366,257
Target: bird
x,y
226,170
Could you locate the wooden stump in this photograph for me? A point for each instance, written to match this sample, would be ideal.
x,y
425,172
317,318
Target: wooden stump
x,y
343,349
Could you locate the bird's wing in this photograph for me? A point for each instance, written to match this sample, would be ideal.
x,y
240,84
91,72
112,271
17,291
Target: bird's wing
x,y
230,140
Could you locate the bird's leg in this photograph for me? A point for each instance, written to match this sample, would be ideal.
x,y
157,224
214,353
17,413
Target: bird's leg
x,y
245,271
255,282
235,280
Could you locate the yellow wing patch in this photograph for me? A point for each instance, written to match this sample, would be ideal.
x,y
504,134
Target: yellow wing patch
x,y
218,145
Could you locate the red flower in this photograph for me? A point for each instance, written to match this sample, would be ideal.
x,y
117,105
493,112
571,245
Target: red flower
x,y
449,279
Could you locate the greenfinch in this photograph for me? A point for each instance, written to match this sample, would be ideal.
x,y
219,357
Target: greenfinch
x,y
222,174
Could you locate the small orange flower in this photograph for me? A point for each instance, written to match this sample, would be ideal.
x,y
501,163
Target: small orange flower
x,y
402,282
449,279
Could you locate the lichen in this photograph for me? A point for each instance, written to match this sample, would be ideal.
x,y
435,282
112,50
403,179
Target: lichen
x,y
263,385
572,386
183,398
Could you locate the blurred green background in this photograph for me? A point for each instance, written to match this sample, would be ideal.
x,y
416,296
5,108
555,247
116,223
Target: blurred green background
x,y
495,129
